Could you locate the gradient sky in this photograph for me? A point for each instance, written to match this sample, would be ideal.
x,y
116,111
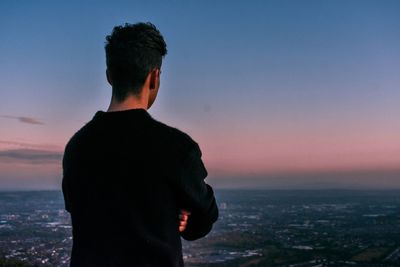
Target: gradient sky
x,y
279,94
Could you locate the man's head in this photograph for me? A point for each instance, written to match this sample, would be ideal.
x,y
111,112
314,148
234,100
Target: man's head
x,y
134,52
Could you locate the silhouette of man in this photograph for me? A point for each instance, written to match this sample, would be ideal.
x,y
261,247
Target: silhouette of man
x,y
133,185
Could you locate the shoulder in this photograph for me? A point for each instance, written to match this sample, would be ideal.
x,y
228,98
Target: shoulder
x,y
175,137
76,139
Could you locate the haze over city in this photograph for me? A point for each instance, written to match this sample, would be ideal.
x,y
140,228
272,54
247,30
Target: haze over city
x,y
278,94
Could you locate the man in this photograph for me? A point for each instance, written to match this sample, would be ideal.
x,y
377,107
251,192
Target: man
x,y
134,185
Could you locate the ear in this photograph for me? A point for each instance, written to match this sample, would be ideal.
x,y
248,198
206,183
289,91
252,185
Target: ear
x,y
108,75
154,79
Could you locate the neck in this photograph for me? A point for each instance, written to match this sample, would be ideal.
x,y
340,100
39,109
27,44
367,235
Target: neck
x,y
130,102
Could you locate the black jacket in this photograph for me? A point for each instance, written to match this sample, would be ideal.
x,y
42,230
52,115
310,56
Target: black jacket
x,y
125,178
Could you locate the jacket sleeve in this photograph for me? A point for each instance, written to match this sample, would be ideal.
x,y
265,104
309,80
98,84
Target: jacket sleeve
x,y
196,196
64,184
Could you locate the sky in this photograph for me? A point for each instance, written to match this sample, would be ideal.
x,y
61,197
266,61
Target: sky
x,y
278,94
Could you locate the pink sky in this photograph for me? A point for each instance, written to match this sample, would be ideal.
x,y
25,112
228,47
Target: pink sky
x,y
244,152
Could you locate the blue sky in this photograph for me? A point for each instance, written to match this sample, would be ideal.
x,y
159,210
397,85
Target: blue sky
x,y
268,88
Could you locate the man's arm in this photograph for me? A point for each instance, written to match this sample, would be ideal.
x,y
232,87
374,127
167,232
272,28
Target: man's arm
x,y
64,182
65,194
196,196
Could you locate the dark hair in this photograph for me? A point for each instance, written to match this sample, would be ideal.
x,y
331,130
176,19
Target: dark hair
x,y
132,51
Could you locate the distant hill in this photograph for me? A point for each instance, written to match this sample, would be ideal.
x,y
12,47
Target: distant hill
x,y
14,263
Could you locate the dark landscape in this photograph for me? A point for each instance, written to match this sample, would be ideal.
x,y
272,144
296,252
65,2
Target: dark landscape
x,y
255,228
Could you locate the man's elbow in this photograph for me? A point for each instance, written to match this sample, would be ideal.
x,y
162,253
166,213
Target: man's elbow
x,y
191,235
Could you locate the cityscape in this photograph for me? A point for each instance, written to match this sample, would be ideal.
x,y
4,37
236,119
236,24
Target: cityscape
x,y
255,228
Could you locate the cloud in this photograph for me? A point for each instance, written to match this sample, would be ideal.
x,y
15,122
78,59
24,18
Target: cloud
x,y
30,145
30,156
23,119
